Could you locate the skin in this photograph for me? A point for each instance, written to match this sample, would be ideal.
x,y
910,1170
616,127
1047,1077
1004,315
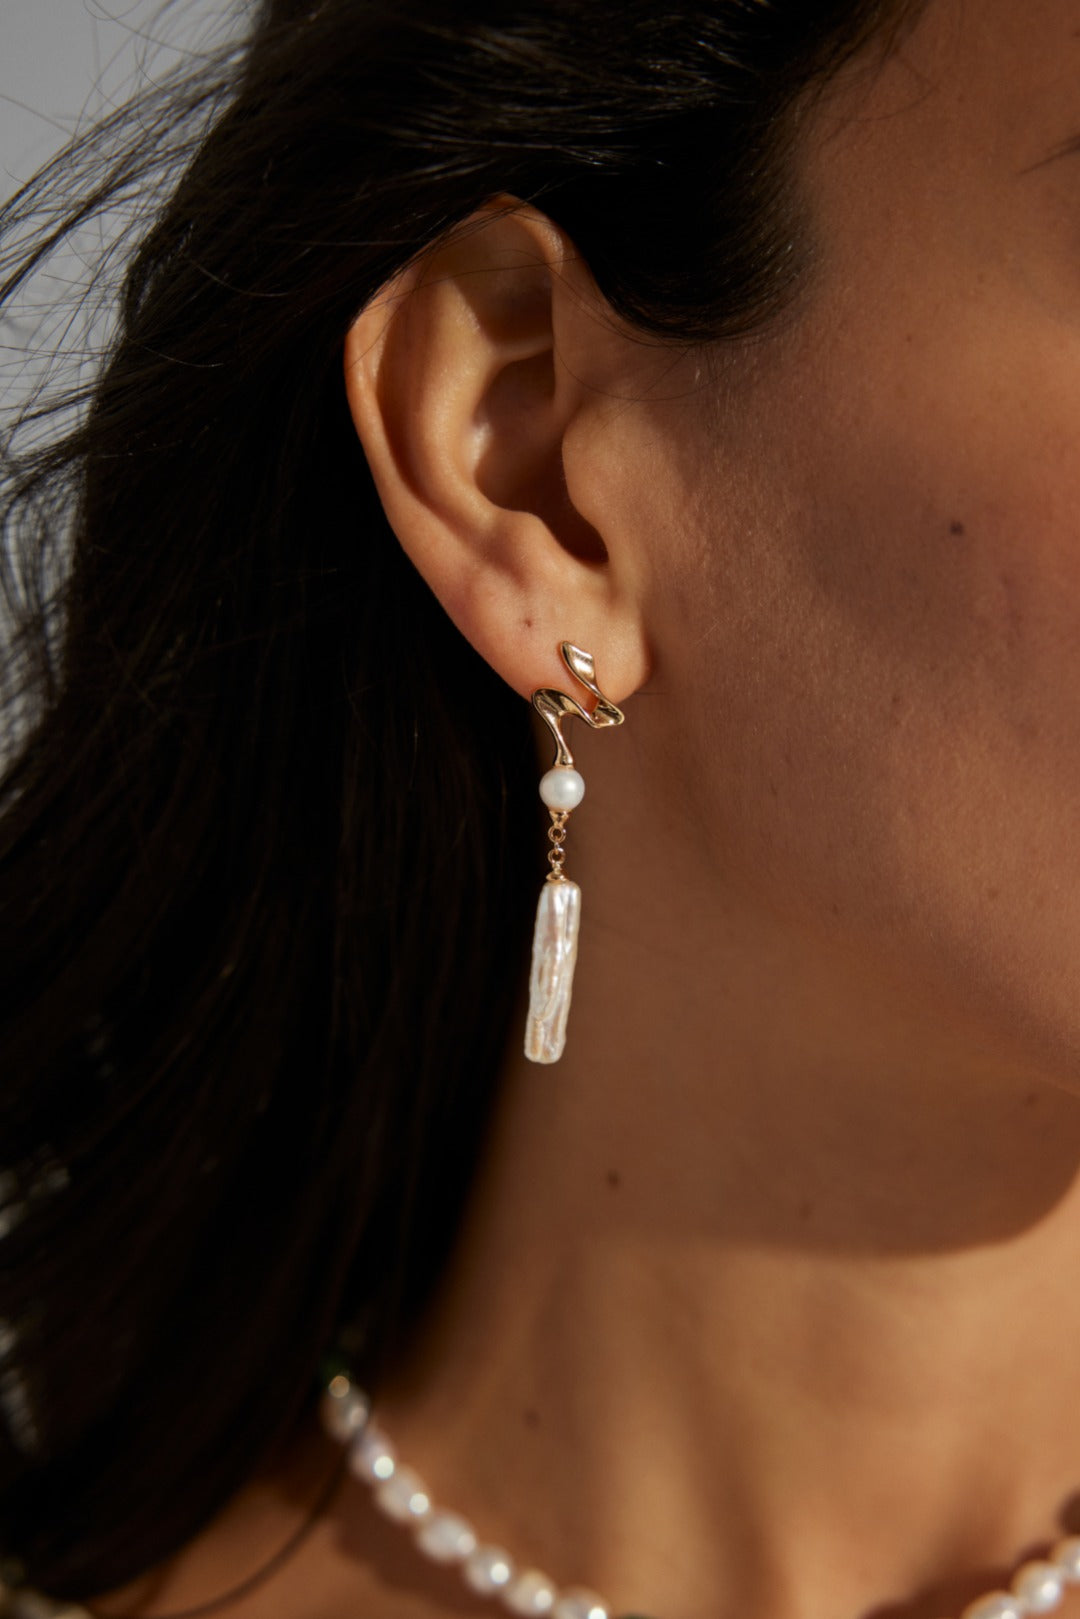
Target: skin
x,y
768,1297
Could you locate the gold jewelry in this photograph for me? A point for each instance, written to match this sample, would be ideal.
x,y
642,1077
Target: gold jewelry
x,y
558,915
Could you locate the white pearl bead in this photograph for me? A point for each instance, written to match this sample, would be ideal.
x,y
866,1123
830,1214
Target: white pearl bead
x,y
998,1605
446,1538
562,788
372,1457
1040,1587
1066,1557
343,1410
404,1496
489,1569
578,1604
531,1593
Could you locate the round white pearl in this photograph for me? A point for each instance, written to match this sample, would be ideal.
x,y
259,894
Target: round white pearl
x,y
488,1569
1040,1587
562,788
579,1604
446,1538
404,1496
998,1605
1066,1557
372,1457
343,1410
531,1593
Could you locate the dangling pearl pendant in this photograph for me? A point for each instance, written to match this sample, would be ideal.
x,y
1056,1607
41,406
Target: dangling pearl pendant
x,y
551,980
558,915
555,936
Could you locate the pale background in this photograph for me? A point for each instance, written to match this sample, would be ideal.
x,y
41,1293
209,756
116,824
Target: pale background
x,y
63,63
62,60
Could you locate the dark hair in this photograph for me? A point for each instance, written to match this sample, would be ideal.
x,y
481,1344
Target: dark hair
x,y
270,836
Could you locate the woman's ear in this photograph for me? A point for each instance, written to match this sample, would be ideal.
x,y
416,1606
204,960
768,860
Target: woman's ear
x,y
477,379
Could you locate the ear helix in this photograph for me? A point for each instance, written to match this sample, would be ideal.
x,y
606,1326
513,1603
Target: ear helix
x,y
558,915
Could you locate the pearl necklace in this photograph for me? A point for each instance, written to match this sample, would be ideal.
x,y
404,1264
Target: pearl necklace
x,y
447,1538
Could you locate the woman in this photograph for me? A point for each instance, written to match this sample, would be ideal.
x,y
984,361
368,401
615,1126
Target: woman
x,y
737,346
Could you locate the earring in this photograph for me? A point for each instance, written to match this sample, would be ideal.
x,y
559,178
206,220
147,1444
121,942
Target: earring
x,y
558,914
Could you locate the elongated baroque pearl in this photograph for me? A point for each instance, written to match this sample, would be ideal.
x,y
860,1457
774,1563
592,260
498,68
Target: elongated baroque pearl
x,y
554,953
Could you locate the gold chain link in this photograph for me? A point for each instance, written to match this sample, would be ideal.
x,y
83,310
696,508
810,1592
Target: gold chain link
x,y
557,837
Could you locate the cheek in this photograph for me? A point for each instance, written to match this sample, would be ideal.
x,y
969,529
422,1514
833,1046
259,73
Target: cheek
x,y
888,623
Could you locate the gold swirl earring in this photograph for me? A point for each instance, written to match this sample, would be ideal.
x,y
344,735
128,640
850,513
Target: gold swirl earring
x,y
558,915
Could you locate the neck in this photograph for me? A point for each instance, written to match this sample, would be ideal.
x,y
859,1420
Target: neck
x,y
768,1289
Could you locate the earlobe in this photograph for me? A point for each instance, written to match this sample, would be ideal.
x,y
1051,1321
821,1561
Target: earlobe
x,y
465,377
